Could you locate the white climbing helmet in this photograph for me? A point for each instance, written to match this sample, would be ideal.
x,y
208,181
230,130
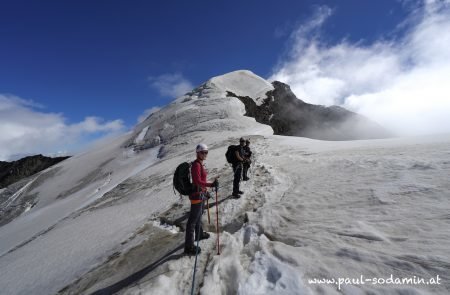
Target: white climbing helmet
x,y
201,147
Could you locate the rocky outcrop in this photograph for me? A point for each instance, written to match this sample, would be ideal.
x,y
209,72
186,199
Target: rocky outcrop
x,y
11,172
288,115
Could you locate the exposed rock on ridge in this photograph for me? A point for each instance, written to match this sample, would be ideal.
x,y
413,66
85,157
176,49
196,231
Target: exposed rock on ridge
x,y
11,172
288,115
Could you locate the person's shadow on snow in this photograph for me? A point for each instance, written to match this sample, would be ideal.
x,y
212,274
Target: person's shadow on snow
x,y
140,274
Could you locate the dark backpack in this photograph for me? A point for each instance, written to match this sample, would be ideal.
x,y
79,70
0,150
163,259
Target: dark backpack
x,y
231,154
182,179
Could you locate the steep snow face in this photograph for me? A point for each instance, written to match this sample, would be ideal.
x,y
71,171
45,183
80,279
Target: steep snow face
x,y
70,186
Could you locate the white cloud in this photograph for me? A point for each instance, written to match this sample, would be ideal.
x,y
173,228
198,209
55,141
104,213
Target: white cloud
x,y
95,124
402,84
147,113
171,85
26,130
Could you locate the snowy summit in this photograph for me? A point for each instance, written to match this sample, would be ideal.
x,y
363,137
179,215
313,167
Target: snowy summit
x,y
107,220
243,83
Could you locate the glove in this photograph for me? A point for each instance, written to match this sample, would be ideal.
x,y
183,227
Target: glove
x,y
216,184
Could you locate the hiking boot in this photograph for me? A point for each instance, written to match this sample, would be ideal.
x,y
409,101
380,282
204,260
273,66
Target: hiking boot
x,y
204,236
236,195
192,250
240,192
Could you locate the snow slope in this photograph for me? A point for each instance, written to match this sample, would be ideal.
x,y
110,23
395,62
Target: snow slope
x,y
329,210
107,220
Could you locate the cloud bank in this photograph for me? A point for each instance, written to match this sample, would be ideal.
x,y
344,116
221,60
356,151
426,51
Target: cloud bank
x,y
25,130
401,83
171,85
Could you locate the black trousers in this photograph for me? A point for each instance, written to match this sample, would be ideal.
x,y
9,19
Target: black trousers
x,y
194,224
237,168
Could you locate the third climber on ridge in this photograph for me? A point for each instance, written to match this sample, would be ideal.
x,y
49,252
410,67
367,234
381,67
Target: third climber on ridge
x,y
247,159
237,168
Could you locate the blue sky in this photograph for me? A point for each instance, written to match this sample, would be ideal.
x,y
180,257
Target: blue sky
x,y
90,68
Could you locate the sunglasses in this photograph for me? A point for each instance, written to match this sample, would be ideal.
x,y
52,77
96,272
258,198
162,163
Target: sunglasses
x,y
204,152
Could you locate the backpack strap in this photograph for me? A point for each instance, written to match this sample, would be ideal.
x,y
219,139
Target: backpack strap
x,y
197,189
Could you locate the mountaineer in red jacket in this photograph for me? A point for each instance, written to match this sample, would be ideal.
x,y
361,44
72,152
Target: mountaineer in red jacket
x,y
194,223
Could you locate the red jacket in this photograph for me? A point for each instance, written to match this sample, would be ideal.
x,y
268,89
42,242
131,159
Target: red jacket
x,y
198,173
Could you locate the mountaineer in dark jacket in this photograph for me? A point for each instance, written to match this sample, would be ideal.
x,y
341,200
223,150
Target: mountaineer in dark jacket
x,y
247,159
237,168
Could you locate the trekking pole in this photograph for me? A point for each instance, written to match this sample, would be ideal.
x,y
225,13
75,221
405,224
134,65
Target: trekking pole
x,y
217,223
207,205
196,251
